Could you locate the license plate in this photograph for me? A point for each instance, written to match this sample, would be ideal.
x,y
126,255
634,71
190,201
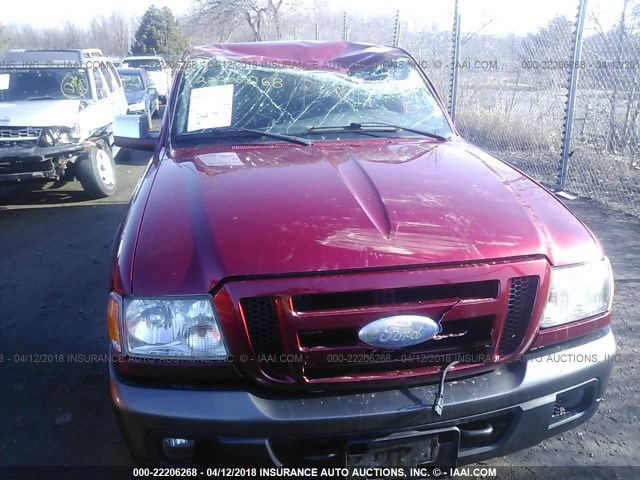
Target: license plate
x,y
409,449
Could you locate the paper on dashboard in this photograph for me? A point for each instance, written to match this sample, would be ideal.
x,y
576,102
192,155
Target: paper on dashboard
x,y
4,81
210,107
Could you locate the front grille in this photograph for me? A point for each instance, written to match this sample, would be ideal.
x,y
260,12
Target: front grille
x,y
262,321
467,340
316,321
388,296
459,334
522,295
338,352
23,137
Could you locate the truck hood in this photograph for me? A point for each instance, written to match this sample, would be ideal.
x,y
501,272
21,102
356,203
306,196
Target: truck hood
x,y
342,206
40,113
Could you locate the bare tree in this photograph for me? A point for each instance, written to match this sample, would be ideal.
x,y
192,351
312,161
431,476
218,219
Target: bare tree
x,y
622,91
110,34
305,19
3,40
73,36
258,15
274,9
121,28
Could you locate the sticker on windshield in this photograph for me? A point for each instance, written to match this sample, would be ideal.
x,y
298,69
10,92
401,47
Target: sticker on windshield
x,y
74,86
210,107
4,81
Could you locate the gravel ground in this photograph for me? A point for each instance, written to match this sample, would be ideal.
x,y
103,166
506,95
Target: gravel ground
x,y
608,439
54,404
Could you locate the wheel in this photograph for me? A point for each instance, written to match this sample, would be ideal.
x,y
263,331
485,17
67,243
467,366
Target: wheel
x,y
97,172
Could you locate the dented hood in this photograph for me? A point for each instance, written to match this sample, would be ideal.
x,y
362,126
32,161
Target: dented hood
x,y
40,113
339,206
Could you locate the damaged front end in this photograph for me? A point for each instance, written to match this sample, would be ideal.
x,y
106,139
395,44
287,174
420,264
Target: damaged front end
x,y
37,153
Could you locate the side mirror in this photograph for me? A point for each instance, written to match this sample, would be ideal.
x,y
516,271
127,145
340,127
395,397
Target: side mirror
x,y
132,131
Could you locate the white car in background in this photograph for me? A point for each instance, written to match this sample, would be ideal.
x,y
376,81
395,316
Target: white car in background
x,y
158,70
57,116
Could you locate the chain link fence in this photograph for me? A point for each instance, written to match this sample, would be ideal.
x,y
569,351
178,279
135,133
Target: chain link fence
x,y
516,107
431,45
511,93
605,164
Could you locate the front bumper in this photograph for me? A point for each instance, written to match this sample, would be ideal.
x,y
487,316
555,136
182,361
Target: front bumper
x,y
16,153
38,163
521,401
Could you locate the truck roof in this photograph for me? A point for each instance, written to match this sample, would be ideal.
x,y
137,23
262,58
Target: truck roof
x,y
52,57
143,57
328,55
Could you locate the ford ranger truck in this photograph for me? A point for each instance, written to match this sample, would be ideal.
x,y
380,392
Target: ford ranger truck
x,y
316,269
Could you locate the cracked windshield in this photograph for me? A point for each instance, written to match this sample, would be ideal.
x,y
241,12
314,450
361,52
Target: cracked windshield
x,y
384,98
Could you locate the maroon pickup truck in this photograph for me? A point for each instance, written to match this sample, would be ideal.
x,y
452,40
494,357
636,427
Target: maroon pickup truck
x,y
316,269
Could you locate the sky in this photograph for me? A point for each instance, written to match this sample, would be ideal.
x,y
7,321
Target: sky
x,y
491,16
45,13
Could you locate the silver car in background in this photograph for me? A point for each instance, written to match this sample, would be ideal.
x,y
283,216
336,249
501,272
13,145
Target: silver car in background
x,y
57,115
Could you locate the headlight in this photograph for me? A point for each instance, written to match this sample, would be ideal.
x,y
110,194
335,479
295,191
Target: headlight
x,y
578,292
54,136
176,327
136,107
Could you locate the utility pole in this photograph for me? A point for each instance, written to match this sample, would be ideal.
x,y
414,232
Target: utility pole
x,y
345,33
396,31
571,97
166,38
455,60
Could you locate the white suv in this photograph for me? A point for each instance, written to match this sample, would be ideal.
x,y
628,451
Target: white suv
x,y
57,113
157,69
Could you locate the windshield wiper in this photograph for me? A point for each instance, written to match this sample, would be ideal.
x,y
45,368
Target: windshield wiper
x,y
374,127
278,136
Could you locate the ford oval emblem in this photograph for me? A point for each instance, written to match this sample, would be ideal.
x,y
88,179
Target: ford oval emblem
x,y
399,331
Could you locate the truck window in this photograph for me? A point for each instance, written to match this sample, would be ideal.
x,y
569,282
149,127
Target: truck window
x,y
110,81
100,86
114,74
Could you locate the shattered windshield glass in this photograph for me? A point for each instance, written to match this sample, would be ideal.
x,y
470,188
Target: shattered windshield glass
x,y
220,94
